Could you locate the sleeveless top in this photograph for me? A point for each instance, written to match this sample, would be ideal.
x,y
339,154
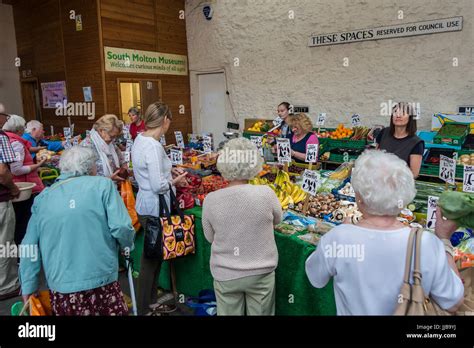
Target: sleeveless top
x,y
300,146
400,147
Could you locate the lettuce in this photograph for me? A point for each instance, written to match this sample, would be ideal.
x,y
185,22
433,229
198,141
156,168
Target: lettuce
x,y
459,207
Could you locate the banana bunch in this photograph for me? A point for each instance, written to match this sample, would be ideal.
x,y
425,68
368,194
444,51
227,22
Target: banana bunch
x,y
342,173
287,192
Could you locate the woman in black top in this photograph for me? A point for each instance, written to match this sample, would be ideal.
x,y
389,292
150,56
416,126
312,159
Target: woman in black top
x,y
401,139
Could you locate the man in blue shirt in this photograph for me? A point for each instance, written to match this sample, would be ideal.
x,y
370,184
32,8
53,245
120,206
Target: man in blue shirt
x,y
34,133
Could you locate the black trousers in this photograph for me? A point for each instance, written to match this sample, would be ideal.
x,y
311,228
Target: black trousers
x,y
22,217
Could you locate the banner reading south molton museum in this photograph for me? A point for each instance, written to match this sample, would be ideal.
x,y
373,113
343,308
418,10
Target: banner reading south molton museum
x,y
144,62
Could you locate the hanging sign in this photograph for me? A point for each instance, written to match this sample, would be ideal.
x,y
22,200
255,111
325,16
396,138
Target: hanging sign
x,y
388,32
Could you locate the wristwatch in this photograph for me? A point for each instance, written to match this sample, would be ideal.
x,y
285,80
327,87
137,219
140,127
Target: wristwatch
x,y
448,247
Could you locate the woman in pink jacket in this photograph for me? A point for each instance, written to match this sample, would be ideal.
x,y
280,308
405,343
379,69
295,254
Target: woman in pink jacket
x,y
24,170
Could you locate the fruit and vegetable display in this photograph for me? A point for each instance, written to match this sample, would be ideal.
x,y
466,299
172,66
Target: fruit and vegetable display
x,y
343,171
360,133
321,205
347,190
453,129
45,155
466,160
341,132
260,126
287,192
423,191
295,169
458,206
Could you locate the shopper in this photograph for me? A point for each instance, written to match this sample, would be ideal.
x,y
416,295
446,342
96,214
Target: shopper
x,y
154,174
239,222
401,139
137,126
78,226
110,161
9,285
302,135
367,261
34,133
24,170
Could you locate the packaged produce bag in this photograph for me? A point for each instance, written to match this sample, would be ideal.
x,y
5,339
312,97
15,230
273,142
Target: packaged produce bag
x,y
129,200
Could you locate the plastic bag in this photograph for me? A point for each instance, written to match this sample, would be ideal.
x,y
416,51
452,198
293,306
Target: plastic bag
x,y
129,199
40,305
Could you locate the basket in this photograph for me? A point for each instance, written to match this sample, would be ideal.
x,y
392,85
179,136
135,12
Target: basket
x,y
26,189
340,158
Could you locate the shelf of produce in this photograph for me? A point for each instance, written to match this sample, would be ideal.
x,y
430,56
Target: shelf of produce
x,y
346,143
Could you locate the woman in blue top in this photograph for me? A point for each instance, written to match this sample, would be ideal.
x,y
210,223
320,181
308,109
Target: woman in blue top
x,y
76,230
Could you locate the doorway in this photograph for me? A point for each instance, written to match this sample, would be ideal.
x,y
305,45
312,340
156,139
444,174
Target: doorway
x,y
212,113
31,100
137,93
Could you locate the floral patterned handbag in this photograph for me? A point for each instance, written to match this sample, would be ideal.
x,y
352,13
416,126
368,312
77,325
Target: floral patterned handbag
x,y
178,237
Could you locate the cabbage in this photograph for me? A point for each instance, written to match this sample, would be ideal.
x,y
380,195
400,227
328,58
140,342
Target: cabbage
x,y
459,207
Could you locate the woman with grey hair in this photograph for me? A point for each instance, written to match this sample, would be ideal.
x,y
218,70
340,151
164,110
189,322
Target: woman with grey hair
x,y
367,260
78,226
239,222
24,170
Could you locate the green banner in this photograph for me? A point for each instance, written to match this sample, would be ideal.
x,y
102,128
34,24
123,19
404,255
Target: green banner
x,y
144,62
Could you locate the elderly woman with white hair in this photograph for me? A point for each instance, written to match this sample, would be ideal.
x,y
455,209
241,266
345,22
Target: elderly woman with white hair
x,y
110,162
34,133
239,222
24,170
367,260
78,226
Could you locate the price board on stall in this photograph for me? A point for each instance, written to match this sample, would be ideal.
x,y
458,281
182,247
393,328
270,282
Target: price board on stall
x,y
163,140
321,119
283,150
355,120
431,212
179,139
312,153
468,180
277,121
258,142
67,132
207,144
447,169
311,182
176,157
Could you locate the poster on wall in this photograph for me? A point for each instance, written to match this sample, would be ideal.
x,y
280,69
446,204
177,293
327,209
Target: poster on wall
x,y
53,92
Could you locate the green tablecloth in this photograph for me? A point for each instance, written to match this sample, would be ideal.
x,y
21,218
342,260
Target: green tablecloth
x,y
294,293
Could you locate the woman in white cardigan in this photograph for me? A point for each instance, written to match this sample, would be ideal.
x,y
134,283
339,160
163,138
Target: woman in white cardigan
x,y
154,174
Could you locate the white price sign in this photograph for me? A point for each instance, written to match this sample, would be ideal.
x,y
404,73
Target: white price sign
x,y
126,132
277,121
129,145
67,144
311,182
179,139
321,119
75,141
312,153
176,157
163,140
284,150
126,156
431,214
258,142
447,169
207,144
88,133
468,182
67,132
355,119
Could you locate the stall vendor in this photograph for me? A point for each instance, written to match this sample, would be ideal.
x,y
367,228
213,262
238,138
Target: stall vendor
x,y
137,125
34,133
283,111
301,136
401,139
